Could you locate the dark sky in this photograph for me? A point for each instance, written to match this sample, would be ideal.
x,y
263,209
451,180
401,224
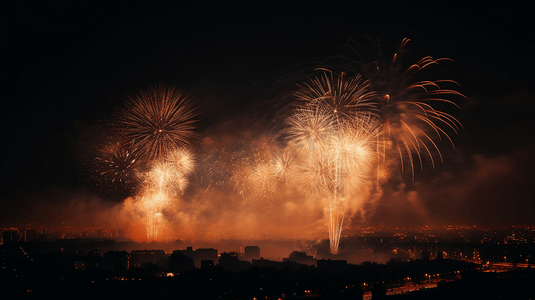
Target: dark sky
x,y
66,65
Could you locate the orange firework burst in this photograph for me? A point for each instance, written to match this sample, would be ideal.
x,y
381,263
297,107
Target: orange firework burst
x,y
409,108
158,121
110,164
166,179
146,150
310,126
337,142
284,166
170,175
262,176
339,96
345,131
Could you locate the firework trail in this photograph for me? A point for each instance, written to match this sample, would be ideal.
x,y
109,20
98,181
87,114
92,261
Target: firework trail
x,y
336,135
165,181
170,175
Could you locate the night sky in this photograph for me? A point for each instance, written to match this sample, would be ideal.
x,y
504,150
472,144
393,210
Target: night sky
x,y
67,65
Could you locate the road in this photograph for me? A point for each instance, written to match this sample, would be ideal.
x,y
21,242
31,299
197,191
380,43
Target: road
x,y
403,289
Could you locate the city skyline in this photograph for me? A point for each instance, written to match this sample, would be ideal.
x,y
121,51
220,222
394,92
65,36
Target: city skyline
x,y
376,244
376,262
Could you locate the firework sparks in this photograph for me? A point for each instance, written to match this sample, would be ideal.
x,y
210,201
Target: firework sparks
x,y
146,151
215,164
337,144
340,136
262,176
110,164
310,126
337,95
158,121
341,142
166,179
409,109
284,166
170,174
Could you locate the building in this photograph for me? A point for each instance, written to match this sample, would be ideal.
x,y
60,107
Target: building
x,y
301,258
117,260
230,262
251,252
332,265
31,235
205,254
201,254
180,262
139,257
207,263
11,235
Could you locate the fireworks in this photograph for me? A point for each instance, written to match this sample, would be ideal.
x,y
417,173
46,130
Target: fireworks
x,y
216,161
170,175
145,152
152,134
310,126
336,172
345,131
262,181
341,136
411,109
110,164
283,166
158,121
262,176
166,179
336,95
337,143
